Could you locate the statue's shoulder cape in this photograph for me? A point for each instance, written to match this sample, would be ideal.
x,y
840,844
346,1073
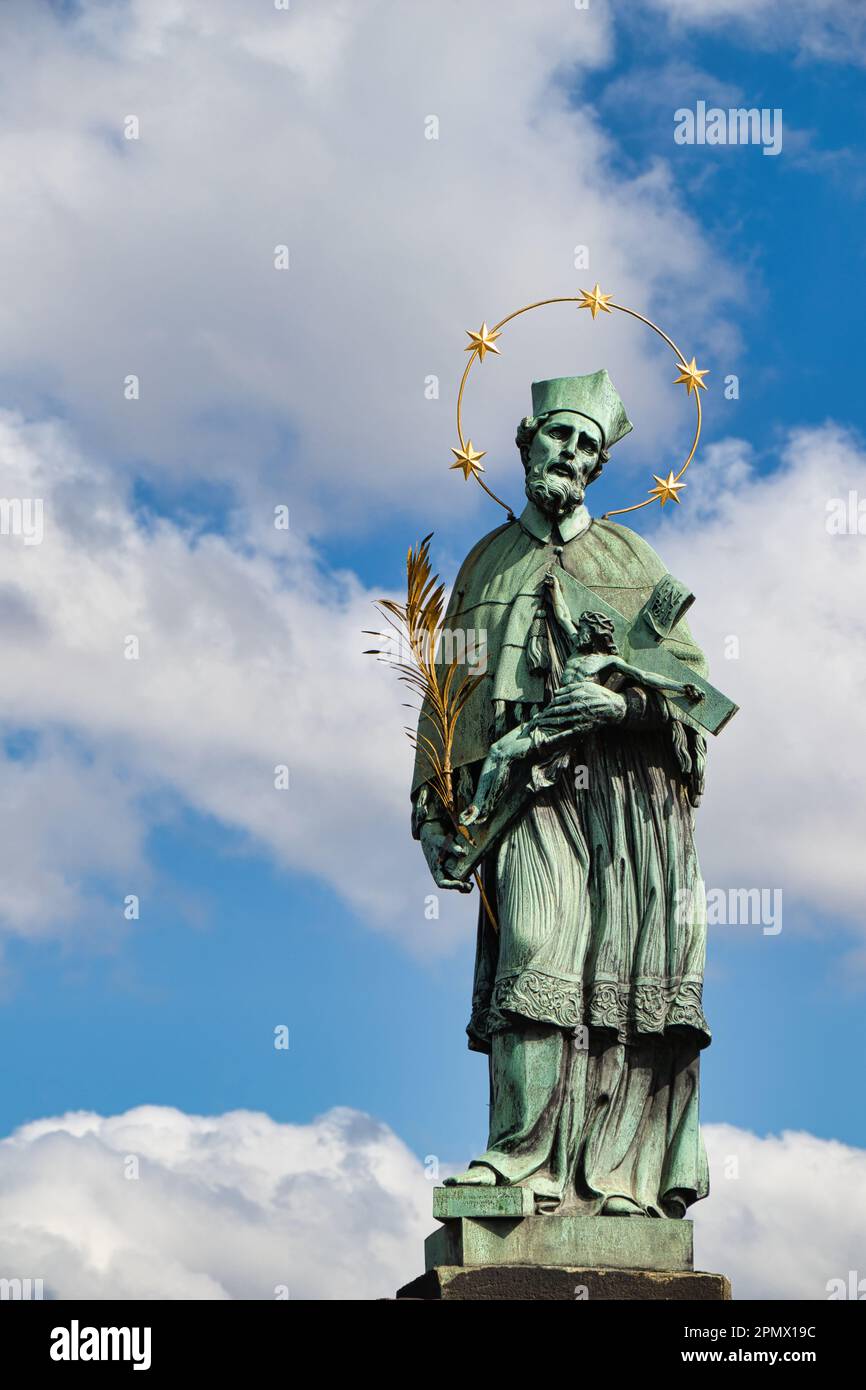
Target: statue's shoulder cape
x,y
492,606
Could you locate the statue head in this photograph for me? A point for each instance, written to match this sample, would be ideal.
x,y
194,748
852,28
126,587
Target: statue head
x,y
566,441
595,633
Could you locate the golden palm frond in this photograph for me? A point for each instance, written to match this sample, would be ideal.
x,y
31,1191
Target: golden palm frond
x,y
418,624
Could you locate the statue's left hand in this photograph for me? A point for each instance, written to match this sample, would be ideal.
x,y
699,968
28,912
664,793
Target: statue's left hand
x,y
582,707
440,848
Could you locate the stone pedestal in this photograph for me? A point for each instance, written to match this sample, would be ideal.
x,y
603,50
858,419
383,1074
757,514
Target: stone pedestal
x,y
491,1245
539,1283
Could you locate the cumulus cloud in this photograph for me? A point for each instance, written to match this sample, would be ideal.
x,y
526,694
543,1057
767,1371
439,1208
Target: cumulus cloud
x,y
158,1204
155,257
831,30
247,662
236,1205
308,128
786,1215
779,611
68,818
251,659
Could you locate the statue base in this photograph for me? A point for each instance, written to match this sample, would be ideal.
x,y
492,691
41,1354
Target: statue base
x,y
534,1283
490,1245
574,1242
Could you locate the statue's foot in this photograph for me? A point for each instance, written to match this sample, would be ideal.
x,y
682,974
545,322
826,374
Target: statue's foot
x,y
621,1206
675,1206
479,1175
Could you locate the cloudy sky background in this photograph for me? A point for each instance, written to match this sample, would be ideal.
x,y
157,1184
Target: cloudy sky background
x,y
304,388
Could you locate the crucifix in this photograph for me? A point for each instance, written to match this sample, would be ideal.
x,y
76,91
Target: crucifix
x,y
611,651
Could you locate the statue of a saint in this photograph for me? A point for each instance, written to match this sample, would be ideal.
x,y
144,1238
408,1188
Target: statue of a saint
x,y
587,995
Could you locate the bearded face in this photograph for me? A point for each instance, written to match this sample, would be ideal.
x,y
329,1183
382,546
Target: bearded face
x,y
563,457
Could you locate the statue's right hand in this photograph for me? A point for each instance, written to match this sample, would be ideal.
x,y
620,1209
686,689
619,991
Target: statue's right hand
x,y
440,846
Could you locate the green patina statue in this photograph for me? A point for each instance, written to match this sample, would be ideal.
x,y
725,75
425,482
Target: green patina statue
x,y
578,763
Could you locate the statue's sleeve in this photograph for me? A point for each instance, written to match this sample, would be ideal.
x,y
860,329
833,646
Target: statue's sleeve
x,y
426,806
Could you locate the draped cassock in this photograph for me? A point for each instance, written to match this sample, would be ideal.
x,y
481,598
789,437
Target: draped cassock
x,y
588,998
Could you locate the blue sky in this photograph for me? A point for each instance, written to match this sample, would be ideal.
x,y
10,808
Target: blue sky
x,y
257,391
183,1015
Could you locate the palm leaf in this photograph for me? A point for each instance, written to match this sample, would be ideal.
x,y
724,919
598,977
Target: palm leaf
x,y
418,623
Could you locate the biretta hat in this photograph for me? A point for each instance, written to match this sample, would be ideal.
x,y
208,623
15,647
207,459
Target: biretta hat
x,y
594,396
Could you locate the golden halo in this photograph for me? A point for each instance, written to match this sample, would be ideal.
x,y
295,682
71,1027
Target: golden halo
x,y
484,340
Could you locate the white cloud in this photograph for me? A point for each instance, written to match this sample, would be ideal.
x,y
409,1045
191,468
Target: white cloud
x,y
232,1206
251,659
830,30
68,819
261,127
154,256
786,1213
784,805
247,662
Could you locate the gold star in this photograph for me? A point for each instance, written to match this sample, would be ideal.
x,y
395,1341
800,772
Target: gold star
x,y
667,488
595,301
691,378
467,459
482,341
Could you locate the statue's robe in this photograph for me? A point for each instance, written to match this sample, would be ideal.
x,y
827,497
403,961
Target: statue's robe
x,y
588,999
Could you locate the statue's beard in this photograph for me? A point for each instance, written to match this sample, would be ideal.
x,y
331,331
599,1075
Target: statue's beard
x,y
554,494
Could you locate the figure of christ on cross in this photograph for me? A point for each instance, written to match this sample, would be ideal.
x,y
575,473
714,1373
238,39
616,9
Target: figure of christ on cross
x,y
594,657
